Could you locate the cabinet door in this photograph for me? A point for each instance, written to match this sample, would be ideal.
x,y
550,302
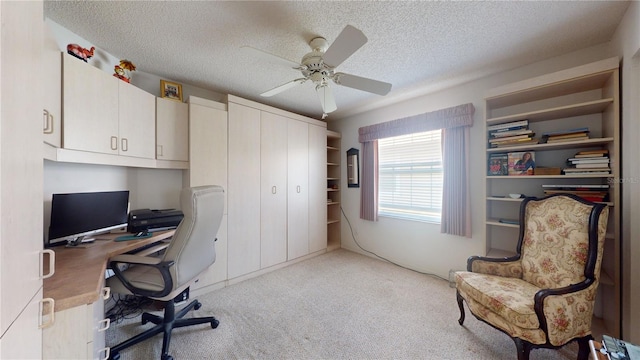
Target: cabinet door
x,y
218,271
298,189
317,188
70,325
21,172
244,190
51,88
23,340
273,189
172,130
90,103
137,121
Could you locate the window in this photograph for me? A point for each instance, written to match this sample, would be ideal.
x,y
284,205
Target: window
x,y
410,176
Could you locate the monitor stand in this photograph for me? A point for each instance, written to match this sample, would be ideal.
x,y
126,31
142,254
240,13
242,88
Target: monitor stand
x,y
79,240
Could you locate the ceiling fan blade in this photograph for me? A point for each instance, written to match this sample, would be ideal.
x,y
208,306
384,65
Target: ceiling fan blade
x,y
361,83
262,53
327,100
349,40
283,87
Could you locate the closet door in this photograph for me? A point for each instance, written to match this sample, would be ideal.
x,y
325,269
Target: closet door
x,y
298,189
317,188
273,189
243,242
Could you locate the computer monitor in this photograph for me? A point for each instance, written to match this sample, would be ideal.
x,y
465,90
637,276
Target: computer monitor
x,y
76,216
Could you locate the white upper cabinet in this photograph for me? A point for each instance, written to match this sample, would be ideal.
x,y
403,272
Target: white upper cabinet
x,y
103,114
172,130
51,83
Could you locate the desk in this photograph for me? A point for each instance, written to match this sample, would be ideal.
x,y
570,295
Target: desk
x,y
78,329
79,272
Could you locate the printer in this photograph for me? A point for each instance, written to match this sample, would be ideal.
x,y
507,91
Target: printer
x,y
145,220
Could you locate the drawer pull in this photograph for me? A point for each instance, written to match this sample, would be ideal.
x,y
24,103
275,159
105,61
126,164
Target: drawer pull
x,y
104,324
52,304
52,263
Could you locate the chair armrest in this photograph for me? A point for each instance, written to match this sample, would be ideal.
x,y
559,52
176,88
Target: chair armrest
x,y
566,312
156,263
506,267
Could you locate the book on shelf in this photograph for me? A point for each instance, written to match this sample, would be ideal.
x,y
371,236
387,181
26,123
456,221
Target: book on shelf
x,y
592,166
550,140
508,133
520,142
566,132
592,153
591,160
575,186
521,162
586,194
498,165
510,138
509,221
507,125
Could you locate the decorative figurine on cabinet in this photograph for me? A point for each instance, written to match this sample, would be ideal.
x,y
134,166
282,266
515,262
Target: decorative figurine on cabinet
x,y
122,71
80,52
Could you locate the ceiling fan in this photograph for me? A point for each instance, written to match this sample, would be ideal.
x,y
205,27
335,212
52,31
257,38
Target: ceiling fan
x,y
318,67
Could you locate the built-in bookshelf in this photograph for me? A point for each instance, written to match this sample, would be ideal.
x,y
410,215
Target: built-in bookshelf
x,y
568,114
333,190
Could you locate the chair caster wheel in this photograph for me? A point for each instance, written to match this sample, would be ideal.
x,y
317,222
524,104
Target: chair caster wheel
x,y
214,323
197,306
167,357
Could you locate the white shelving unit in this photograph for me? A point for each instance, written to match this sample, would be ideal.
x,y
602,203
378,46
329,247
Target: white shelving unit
x,y
584,96
333,190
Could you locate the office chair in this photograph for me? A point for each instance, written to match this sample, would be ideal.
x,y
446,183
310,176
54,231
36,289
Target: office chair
x,y
190,253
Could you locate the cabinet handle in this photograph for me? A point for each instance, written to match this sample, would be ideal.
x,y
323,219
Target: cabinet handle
x,y
48,122
107,353
52,312
159,150
104,324
106,293
298,189
273,189
114,143
52,263
125,144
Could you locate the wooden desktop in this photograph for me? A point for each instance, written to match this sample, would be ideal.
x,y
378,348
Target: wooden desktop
x,y
80,271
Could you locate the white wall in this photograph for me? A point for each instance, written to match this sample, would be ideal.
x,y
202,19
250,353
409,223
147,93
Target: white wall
x,y
627,43
421,246
148,188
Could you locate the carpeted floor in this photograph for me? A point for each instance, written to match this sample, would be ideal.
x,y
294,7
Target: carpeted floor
x,y
340,305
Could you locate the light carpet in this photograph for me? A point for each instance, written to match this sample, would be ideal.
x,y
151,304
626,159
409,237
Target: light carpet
x,y
339,305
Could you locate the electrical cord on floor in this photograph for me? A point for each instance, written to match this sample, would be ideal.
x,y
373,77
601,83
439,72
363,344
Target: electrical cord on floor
x,y
126,307
383,258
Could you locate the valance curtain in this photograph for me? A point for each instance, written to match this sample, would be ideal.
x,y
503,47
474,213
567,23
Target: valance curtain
x,y
454,123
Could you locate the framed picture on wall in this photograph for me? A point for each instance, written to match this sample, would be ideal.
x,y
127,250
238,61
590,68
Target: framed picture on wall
x,y
171,90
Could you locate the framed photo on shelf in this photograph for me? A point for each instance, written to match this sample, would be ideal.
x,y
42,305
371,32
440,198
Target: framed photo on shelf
x,y
171,90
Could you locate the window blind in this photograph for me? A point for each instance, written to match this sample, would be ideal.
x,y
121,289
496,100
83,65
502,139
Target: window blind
x,y
410,176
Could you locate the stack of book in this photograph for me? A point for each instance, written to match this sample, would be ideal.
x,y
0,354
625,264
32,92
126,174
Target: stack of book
x,y
595,193
510,134
593,162
565,135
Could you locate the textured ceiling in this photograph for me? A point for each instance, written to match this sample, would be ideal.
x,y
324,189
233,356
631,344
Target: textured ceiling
x,y
414,45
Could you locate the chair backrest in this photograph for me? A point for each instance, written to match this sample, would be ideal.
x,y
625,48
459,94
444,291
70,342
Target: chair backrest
x,y
562,240
193,244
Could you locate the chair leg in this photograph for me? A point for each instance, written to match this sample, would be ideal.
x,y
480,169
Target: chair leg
x,y
459,297
523,348
583,347
170,321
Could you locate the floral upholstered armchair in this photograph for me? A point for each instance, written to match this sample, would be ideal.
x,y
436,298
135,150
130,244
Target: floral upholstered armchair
x,y
543,297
